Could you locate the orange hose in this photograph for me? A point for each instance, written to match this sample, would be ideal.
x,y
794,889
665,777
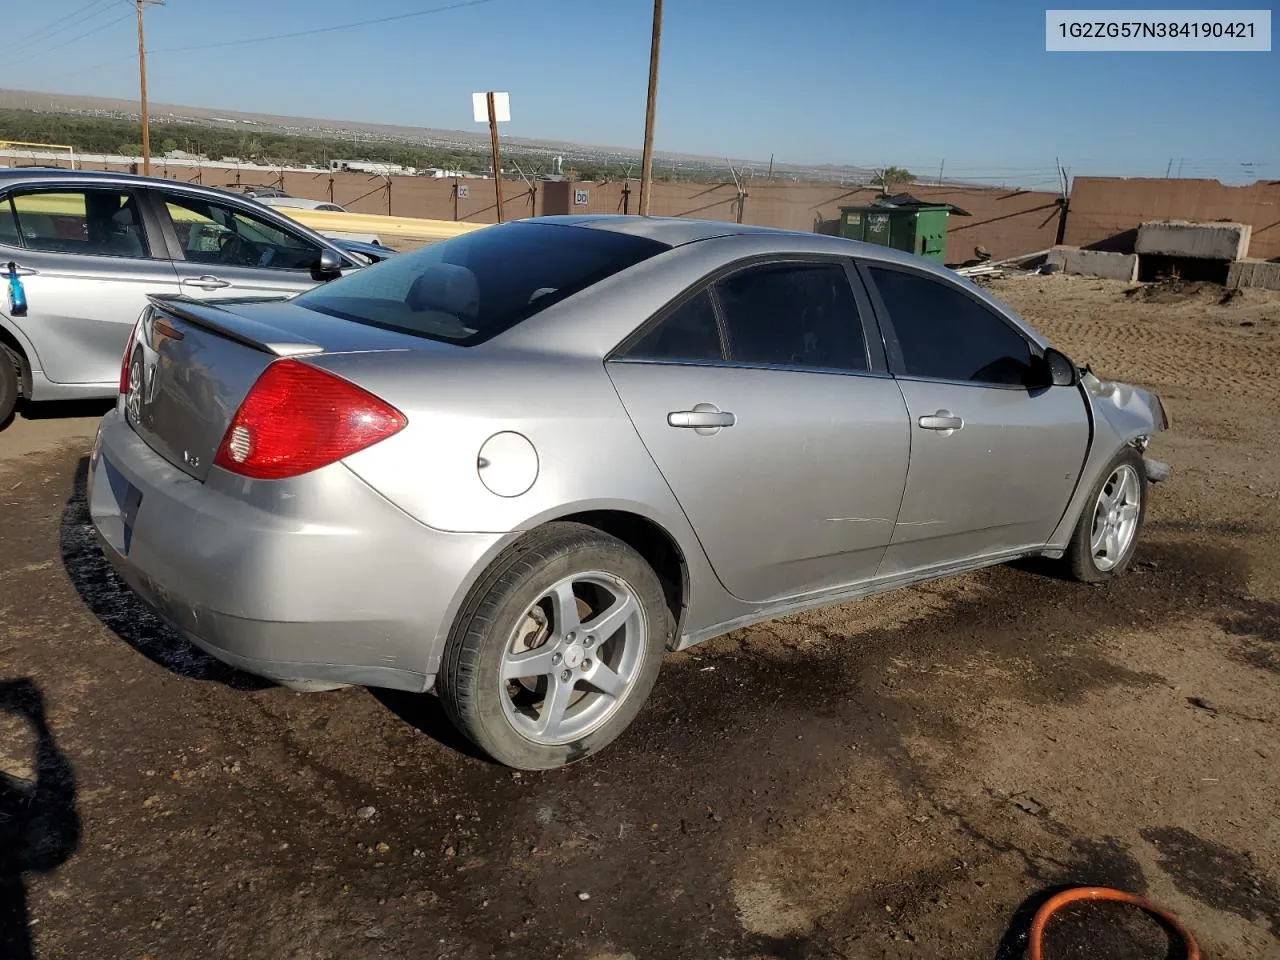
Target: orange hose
x,y
1035,950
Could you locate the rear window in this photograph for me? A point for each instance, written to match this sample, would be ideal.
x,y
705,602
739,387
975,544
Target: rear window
x,y
473,287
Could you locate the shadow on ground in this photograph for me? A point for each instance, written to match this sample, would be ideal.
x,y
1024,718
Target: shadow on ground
x,y
39,825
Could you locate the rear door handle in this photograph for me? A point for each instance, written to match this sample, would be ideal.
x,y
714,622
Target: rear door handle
x,y
701,419
205,283
943,420
21,271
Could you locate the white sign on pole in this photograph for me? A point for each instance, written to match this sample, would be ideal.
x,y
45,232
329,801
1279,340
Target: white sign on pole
x,y
501,107
464,191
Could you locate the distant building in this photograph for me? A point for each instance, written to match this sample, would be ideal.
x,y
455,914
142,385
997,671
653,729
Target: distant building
x,y
439,173
377,169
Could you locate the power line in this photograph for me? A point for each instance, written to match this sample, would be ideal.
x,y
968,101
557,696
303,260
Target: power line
x,y
57,20
279,36
57,46
329,29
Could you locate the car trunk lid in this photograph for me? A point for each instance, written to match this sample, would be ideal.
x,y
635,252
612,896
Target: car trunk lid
x,y
193,363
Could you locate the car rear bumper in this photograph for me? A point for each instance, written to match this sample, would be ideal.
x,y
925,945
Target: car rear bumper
x,y
313,579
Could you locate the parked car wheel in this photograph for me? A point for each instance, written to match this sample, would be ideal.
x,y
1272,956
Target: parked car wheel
x,y
8,384
557,649
1107,534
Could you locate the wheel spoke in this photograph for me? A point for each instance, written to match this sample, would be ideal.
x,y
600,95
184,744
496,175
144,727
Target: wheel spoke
x,y
1127,491
535,663
1113,545
1099,537
564,610
607,680
605,625
1129,511
1108,500
553,706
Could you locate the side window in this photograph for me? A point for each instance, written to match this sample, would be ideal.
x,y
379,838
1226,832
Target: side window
x,y
945,335
216,234
101,223
687,333
793,314
9,235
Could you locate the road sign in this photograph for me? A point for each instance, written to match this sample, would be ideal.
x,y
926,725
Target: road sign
x,y
501,107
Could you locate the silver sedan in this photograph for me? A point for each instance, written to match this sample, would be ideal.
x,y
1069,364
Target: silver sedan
x,y
517,466
83,249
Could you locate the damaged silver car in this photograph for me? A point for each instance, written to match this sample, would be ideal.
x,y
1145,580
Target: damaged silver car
x,y
514,467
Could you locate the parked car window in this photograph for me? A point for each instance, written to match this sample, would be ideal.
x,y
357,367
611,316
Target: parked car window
x,y
101,223
222,235
793,314
473,287
946,335
687,333
8,225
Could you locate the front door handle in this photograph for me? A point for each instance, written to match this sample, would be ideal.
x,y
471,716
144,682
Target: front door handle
x,y
944,421
22,271
700,418
206,282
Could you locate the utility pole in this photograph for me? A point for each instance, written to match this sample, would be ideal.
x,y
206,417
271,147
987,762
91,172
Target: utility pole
x,y
646,169
142,82
496,108
497,160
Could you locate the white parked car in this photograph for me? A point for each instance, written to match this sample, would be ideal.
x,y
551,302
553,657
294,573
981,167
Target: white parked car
x,y
302,203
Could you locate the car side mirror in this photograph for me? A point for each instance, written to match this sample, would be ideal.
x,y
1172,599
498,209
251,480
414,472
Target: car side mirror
x,y
1058,370
330,263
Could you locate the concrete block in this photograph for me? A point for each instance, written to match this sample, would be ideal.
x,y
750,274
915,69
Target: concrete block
x,y
1188,238
1253,273
1095,263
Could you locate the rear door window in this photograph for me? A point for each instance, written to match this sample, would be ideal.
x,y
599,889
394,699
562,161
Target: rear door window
x,y
688,334
473,287
95,222
793,315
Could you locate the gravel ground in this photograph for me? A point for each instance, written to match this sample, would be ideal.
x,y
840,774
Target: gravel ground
x,y
903,777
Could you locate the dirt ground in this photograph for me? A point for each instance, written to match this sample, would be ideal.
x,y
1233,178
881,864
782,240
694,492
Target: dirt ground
x,y
904,777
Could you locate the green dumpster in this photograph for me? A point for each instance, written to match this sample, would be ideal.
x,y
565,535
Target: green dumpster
x,y
902,222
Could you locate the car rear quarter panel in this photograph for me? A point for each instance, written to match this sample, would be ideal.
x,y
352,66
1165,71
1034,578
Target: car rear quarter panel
x,y
589,457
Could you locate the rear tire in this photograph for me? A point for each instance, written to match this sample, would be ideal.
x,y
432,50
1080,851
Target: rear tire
x,y
556,649
1106,535
8,385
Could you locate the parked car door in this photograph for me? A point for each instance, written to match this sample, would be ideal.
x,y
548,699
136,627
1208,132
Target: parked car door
x,y
774,425
223,249
87,263
993,458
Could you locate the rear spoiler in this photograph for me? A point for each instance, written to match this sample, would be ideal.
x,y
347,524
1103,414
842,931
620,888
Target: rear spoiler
x,y
216,319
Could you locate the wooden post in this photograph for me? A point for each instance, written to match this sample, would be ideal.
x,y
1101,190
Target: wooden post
x,y
497,161
142,85
142,82
646,169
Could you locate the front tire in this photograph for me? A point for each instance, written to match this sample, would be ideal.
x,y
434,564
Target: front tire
x,y
556,650
1106,536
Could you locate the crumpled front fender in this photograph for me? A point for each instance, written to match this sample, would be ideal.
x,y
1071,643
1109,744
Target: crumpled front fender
x,y
1130,411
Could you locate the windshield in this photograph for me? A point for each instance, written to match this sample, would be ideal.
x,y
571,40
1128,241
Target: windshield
x,y
473,287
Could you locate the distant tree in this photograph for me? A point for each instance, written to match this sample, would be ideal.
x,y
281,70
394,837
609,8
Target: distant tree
x,y
168,145
888,177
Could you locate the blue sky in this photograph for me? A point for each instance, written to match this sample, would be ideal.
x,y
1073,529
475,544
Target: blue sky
x,y
810,80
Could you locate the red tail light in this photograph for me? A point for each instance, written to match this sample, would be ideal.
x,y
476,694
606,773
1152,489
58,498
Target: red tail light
x,y
298,418
125,360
